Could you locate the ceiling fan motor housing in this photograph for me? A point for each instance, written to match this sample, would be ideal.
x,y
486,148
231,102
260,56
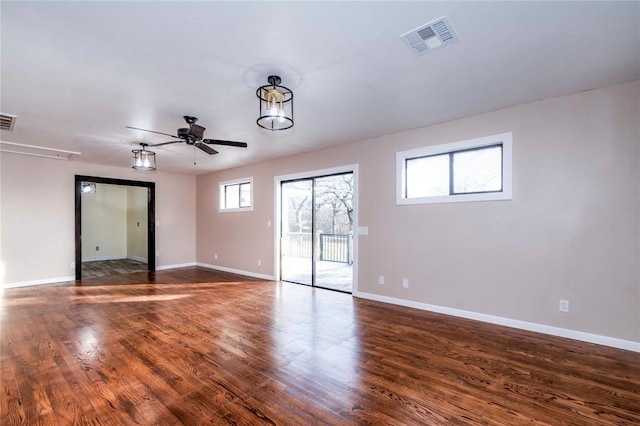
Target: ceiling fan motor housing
x,y
188,138
192,134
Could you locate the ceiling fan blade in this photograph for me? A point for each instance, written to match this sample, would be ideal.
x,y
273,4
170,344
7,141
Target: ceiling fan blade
x,y
152,131
226,143
164,143
206,149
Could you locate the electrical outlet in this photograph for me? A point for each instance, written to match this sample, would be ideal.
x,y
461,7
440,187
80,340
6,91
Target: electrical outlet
x,y
381,280
97,248
157,252
564,305
215,256
259,262
268,224
72,265
405,283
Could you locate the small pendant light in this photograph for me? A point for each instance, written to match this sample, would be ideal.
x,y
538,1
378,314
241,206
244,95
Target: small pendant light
x,y
276,105
144,160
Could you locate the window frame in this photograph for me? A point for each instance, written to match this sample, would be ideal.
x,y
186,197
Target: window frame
x,y
222,199
504,139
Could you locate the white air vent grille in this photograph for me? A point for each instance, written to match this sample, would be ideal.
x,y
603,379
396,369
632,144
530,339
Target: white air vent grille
x,y
433,35
7,121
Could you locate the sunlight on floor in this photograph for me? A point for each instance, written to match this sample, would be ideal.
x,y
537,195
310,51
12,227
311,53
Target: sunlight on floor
x,y
29,301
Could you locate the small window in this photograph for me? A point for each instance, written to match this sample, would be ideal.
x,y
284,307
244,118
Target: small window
x,y
236,195
471,170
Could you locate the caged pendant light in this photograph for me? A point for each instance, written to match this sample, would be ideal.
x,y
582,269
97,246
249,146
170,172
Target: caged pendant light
x,y
276,105
144,160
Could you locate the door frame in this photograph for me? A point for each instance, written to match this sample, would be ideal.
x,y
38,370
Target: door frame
x,y
151,216
349,168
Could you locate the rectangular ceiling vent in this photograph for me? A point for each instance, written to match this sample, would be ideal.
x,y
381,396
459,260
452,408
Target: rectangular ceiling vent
x,y
7,121
433,35
36,151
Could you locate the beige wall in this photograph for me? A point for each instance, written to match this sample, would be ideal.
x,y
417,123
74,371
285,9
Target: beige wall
x,y
104,223
37,229
137,223
2,267
572,230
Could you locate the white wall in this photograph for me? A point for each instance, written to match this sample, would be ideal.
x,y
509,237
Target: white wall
x,y
104,223
114,223
572,230
37,231
2,268
137,223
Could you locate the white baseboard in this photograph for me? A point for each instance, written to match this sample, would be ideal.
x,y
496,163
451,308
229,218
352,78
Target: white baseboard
x,y
236,271
96,258
177,265
523,325
40,282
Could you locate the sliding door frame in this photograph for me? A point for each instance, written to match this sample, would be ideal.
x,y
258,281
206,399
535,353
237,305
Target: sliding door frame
x,y
278,180
151,216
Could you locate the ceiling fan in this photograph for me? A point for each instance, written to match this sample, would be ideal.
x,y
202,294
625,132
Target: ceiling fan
x,y
193,135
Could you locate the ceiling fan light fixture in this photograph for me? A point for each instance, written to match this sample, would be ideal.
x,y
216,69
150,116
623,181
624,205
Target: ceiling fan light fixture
x,y
276,105
144,160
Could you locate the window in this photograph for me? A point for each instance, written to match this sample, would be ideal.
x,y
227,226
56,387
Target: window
x,y
236,195
471,170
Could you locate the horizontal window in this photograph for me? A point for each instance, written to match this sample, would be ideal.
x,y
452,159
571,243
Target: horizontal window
x,y
236,195
471,170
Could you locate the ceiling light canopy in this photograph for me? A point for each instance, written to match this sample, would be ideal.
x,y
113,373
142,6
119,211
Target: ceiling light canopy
x,y
276,105
144,160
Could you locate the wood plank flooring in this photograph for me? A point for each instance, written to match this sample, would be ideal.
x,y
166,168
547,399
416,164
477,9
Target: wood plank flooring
x,y
104,268
193,346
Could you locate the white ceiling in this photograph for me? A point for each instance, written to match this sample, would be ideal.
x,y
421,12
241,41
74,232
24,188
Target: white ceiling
x,y
77,73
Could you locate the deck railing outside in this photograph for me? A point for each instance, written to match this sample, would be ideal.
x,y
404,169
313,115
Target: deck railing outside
x,y
297,244
335,248
331,247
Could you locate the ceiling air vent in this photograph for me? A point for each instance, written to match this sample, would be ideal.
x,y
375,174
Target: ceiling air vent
x,y
433,35
36,151
7,121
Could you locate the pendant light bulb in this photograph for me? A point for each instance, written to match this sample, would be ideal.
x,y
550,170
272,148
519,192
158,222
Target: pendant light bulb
x,y
271,104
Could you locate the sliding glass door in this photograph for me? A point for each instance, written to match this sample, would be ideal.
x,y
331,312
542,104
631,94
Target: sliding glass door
x,y
316,241
296,242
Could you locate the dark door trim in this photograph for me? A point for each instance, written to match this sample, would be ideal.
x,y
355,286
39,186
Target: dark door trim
x,y
151,216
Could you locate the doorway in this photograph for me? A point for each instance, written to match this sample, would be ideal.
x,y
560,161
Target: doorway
x,y
317,218
137,193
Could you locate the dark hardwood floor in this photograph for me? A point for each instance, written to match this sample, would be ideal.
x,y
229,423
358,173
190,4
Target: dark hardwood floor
x,y
193,346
